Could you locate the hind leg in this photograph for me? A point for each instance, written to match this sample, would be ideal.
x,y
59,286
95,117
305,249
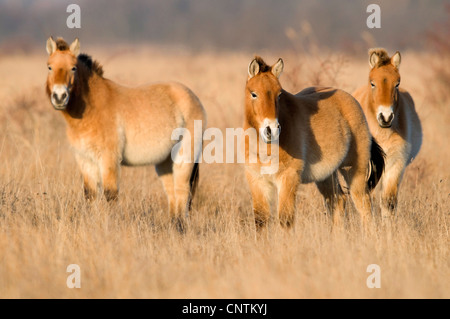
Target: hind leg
x,y
165,174
359,192
333,197
182,174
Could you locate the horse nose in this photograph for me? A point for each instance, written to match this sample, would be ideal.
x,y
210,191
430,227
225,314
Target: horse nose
x,y
59,97
388,120
385,120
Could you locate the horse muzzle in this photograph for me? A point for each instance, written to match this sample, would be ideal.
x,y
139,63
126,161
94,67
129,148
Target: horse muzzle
x,y
270,131
385,116
59,97
385,122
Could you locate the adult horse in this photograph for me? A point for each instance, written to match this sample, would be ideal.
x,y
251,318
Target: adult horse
x,y
393,122
316,133
109,125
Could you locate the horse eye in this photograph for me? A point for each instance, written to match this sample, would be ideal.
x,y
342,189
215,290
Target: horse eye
x,y
74,68
49,68
397,85
254,95
372,84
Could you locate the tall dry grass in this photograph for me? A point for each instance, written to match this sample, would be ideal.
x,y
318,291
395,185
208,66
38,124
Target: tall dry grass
x,y
128,249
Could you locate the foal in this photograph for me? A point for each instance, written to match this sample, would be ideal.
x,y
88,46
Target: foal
x,y
393,122
318,132
109,125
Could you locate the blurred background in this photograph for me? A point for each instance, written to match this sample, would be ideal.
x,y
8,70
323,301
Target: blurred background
x,y
229,25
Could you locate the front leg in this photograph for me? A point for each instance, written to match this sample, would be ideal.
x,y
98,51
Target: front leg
x,y
110,176
261,190
288,183
91,176
389,194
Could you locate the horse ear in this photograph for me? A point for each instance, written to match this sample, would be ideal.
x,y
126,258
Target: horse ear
x,y
277,68
373,59
253,68
396,59
75,47
51,46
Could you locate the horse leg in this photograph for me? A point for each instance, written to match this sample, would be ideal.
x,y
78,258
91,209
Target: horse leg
x,y
110,177
165,174
91,177
333,198
182,174
390,183
261,199
287,188
359,192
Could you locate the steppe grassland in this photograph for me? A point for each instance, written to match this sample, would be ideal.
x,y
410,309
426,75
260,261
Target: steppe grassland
x,y
127,250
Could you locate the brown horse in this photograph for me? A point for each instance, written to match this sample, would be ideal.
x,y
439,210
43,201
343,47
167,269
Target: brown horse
x,y
393,122
319,132
109,125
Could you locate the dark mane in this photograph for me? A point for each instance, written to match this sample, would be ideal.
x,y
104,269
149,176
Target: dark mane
x,y
61,45
263,67
383,56
92,65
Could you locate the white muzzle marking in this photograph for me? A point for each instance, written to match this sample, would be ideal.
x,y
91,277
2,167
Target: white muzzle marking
x,y
60,96
385,115
270,130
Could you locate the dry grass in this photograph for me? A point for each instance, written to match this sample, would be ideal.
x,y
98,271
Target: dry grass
x,y
127,250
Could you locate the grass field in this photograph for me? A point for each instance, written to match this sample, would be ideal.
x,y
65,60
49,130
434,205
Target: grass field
x,y
128,250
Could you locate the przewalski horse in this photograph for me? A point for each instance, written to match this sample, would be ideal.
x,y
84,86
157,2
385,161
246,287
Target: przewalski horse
x,y
393,122
319,131
109,125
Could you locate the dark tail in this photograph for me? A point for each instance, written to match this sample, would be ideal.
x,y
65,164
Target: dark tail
x,y
377,157
193,183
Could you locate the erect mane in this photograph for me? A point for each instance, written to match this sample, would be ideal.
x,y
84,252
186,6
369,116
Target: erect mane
x,y
383,56
61,45
91,64
263,67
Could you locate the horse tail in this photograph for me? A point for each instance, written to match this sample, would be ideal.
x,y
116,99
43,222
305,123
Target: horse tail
x,y
376,165
193,183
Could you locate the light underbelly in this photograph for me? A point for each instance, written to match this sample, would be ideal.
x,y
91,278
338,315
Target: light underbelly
x,y
147,152
148,141
319,171
318,168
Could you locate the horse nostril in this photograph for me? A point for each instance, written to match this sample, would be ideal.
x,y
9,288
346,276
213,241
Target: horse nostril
x,y
63,96
391,117
55,96
388,120
268,132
